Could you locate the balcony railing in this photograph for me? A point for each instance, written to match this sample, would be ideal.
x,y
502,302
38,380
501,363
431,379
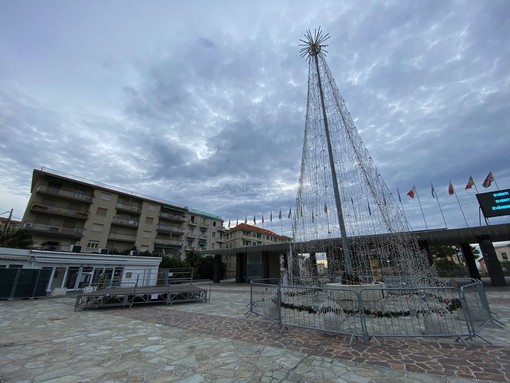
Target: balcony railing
x,y
189,235
191,223
172,217
56,230
124,221
170,229
78,196
130,208
122,237
168,242
43,208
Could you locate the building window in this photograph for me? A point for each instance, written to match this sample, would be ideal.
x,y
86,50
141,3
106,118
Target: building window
x,y
101,211
213,234
504,256
146,234
106,196
212,246
152,207
214,223
54,187
80,193
93,245
149,220
97,227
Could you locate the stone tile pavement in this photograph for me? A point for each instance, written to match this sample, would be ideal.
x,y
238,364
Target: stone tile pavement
x,y
44,340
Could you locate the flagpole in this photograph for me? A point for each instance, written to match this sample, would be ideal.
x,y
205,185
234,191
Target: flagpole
x,y
436,197
403,210
419,202
462,211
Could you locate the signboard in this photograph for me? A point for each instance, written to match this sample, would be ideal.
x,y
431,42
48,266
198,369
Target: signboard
x,y
495,204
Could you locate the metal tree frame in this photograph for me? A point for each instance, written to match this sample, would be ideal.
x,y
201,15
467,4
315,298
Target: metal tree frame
x,y
344,211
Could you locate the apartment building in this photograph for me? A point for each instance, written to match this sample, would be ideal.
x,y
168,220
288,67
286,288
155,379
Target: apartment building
x,y
68,212
244,235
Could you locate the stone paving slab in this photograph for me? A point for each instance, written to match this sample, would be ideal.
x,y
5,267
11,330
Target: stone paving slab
x,y
46,341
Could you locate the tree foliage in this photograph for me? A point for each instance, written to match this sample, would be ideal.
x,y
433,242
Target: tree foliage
x,y
16,238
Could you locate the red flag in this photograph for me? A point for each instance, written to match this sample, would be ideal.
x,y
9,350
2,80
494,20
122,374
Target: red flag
x,y
451,190
488,180
470,183
412,192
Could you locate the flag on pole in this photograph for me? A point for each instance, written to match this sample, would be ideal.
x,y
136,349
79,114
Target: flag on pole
x,y
369,211
399,199
412,192
271,216
237,222
254,220
229,224
245,219
280,215
262,218
451,190
470,183
290,213
432,190
488,180
325,208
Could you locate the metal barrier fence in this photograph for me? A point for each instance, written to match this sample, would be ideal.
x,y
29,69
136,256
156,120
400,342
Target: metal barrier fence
x,y
477,308
23,283
372,312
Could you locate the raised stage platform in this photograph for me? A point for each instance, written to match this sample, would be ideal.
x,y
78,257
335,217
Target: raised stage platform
x,y
196,291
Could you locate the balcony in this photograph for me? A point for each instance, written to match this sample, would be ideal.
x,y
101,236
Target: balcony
x,y
118,220
168,242
189,235
130,208
122,237
191,223
76,196
54,230
42,208
169,229
204,226
172,217
203,236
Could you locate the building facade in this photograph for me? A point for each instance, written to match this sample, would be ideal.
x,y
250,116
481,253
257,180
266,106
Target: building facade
x,y
61,271
244,235
67,212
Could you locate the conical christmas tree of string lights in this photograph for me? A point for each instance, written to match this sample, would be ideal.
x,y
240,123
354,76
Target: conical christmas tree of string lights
x,y
344,211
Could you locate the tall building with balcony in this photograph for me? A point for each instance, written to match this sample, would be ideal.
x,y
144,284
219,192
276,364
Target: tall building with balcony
x,y
244,235
68,212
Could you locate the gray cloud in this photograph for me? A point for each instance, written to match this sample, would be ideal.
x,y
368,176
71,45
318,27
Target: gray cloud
x,y
210,113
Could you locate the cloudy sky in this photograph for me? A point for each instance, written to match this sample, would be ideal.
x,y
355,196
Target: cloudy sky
x,y
203,103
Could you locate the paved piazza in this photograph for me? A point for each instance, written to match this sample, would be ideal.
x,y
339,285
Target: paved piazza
x,y
44,340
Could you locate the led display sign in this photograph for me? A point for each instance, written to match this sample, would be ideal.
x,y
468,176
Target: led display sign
x,y
495,204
